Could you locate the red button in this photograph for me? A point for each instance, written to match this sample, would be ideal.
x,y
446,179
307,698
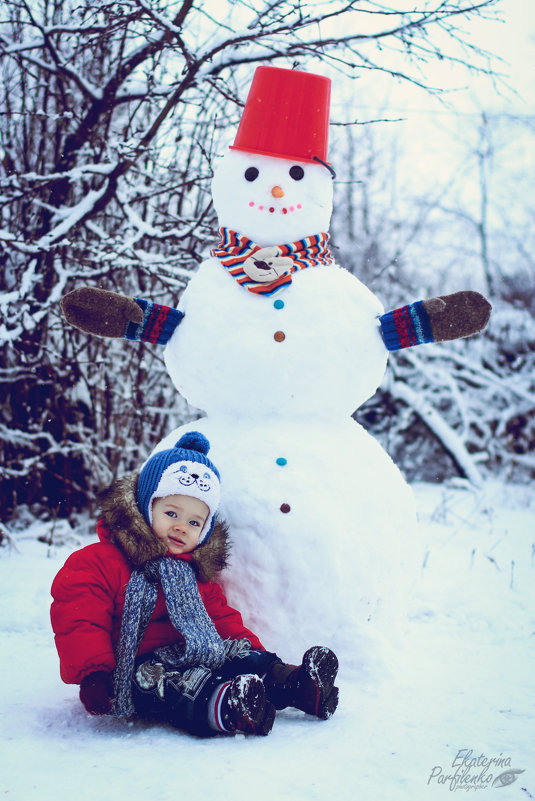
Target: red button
x,y
285,508
279,336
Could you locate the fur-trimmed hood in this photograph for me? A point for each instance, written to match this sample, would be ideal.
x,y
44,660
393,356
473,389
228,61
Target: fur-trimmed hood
x,y
126,528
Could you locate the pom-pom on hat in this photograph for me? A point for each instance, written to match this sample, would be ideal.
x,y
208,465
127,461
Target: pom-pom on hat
x,y
182,470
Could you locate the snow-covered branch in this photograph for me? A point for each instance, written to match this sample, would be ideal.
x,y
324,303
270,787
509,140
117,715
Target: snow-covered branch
x,y
71,217
438,425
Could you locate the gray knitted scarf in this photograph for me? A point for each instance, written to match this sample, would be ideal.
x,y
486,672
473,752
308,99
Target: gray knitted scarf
x,y
186,611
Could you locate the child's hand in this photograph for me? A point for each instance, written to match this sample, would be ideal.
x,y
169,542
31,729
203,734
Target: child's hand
x,y
96,692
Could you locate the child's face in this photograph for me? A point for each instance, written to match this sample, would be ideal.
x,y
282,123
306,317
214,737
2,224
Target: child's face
x,y
178,521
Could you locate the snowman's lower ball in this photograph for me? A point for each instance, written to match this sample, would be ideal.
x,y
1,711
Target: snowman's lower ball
x,y
325,544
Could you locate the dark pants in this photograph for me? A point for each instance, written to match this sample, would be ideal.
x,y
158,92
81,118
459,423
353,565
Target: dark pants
x,y
179,696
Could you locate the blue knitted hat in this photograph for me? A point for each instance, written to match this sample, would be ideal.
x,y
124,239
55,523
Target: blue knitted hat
x,y
182,470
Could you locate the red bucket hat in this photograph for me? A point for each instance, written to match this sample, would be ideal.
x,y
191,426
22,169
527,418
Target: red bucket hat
x,y
286,115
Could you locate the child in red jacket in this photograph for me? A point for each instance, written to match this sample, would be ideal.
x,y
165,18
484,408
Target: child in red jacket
x,y
143,627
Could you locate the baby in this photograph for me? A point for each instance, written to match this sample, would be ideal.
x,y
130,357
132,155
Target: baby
x,y
143,627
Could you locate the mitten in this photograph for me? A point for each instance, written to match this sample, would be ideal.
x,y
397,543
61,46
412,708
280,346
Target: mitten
x,y
459,315
96,692
97,311
107,314
439,319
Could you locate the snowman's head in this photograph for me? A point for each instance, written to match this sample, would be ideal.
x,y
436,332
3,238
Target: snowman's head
x,y
272,200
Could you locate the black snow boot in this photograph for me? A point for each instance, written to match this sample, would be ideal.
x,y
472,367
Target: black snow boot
x,y
245,707
308,687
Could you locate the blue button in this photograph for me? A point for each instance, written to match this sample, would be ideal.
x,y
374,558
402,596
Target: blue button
x,y
279,304
282,461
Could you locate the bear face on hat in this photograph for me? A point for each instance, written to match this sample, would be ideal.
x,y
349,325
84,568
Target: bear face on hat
x,y
182,470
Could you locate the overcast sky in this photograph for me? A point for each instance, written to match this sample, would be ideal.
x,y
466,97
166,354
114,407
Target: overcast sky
x,y
511,40
514,41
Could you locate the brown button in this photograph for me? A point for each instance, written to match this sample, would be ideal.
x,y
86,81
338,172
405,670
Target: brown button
x,y
279,336
285,508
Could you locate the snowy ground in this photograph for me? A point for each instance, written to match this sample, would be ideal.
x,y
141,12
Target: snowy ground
x,y
466,681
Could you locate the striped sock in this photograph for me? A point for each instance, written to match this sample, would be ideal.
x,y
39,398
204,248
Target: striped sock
x,y
215,705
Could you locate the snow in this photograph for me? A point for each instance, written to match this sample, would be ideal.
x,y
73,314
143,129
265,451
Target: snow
x,y
464,681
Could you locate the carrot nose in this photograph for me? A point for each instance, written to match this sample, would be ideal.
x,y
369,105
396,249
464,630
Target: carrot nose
x,y
277,191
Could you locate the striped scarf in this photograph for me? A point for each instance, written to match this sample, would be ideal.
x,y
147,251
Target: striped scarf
x,y
186,611
239,255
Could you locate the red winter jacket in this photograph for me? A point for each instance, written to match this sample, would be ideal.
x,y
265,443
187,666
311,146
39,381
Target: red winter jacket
x,y
89,593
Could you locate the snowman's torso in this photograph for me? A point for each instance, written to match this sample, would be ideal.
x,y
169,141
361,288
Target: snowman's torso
x,y
313,350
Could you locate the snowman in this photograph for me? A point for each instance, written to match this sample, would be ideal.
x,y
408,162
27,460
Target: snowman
x,y
278,345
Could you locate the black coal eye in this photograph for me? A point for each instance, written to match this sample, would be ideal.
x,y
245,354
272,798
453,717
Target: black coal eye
x,y
251,174
297,172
